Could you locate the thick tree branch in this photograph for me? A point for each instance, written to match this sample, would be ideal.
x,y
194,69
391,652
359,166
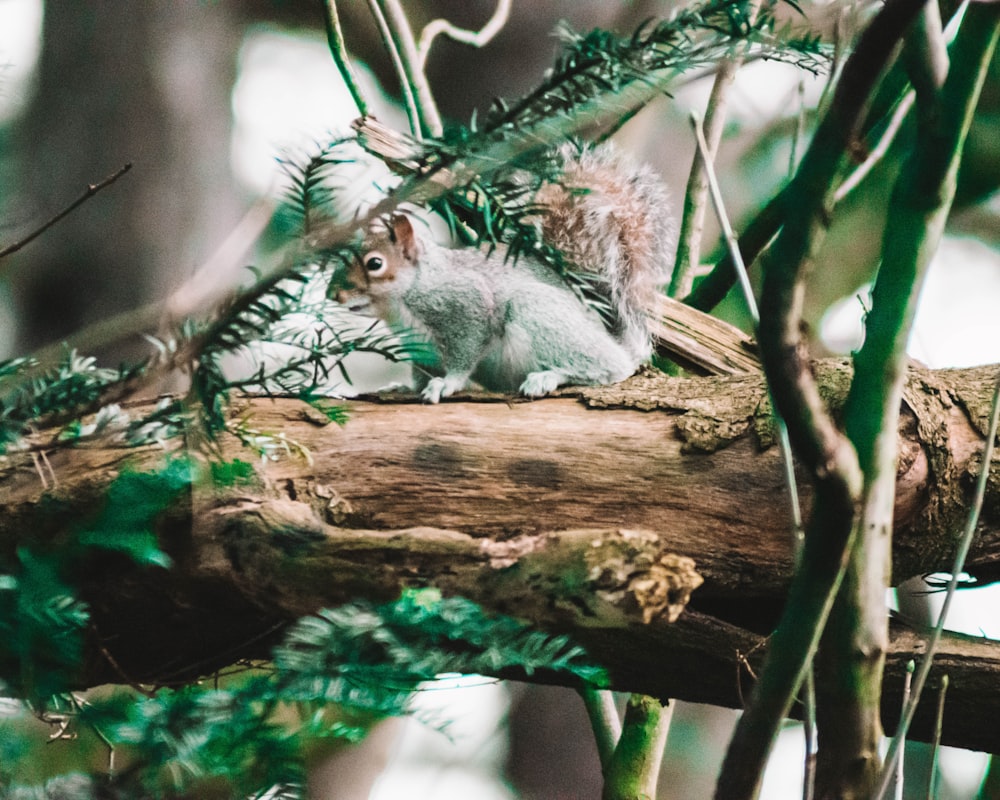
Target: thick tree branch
x,y
521,507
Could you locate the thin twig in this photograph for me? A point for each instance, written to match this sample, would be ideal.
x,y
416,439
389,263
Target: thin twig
x,y
36,460
696,195
809,734
936,743
129,681
911,665
89,192
879,151
759,232
413,72
800,126
836,62
809,694
409,101
604,719
740,268
479,38
335,38
928,64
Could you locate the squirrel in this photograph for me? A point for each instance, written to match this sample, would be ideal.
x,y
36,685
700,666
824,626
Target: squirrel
x,y
518,325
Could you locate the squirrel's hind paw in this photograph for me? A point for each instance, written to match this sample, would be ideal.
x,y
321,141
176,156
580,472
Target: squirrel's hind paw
x,y
538,384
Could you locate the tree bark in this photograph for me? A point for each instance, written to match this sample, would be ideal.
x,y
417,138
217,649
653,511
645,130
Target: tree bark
x,y
647,520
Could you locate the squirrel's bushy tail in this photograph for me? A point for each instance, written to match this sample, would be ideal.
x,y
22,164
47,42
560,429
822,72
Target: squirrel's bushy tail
x,y
610,216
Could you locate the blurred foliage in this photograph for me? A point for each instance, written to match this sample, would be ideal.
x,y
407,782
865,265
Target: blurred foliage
x,y
334,675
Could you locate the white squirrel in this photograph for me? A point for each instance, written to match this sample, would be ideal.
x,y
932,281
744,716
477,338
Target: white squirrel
x,y
518,325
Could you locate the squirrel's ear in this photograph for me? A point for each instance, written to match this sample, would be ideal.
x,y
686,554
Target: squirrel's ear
x,y
405,237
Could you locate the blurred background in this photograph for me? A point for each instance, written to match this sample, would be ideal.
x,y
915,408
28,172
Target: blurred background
x,y
203,97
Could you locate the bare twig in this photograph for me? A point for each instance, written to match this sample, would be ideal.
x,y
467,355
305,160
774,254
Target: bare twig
x,y
604,719
756,236
936,743
879,151
751,302
412,71
800,126
89,192
409,100
907,687
809,734
335,38
696,196
479,38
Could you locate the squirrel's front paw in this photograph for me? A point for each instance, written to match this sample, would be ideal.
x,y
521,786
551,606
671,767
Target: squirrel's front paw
x,y
433,390
442,387
538,384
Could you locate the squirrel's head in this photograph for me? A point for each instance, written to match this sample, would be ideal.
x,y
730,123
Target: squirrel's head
x,y
387,263
391,249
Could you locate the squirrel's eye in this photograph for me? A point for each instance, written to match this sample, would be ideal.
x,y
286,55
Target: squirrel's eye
x,y
375,264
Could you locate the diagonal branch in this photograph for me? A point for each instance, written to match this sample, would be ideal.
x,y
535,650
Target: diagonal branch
x,y
89,192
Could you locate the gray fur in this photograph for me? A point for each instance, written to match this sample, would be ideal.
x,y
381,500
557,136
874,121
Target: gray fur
x,y
518,326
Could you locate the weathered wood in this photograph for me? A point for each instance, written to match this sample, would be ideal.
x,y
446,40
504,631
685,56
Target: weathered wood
x,y
596,513
699,342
